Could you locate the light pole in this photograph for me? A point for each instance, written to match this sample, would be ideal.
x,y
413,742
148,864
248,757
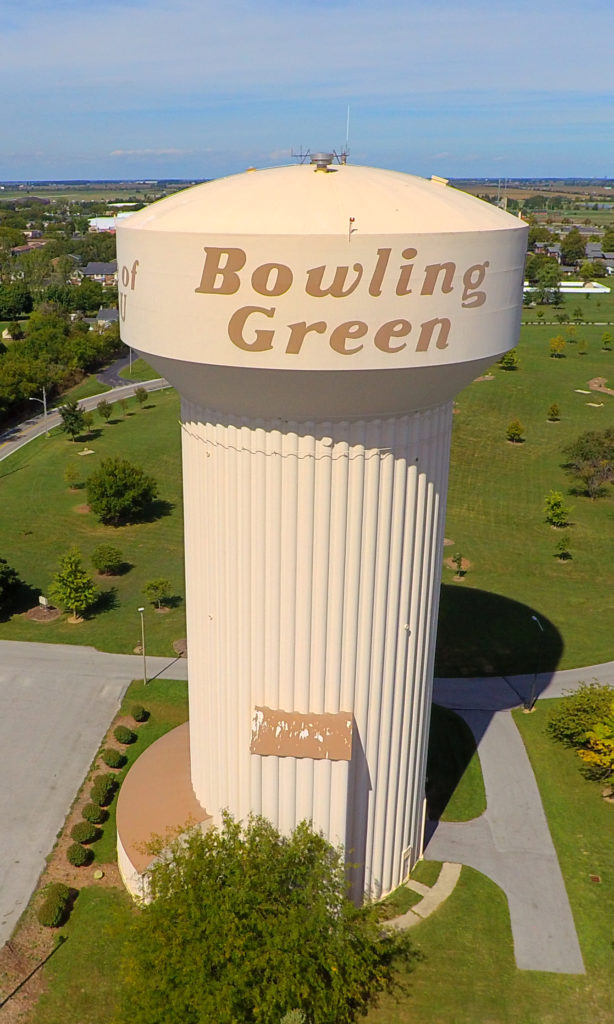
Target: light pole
x,y
141,612
533,698
42,401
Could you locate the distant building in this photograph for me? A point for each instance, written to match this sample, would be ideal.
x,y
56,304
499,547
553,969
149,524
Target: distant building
x,y
104,273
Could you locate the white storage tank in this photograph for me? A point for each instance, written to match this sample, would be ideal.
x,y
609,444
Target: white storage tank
x,y
317,321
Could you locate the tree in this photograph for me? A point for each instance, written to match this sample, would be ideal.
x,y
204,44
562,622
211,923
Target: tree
x,y
607,240
555,510
554,413
158,591
598,752
561,548
9,583
247,925
72,588
141,395
107,560
105,410
573,247
590,460
557,347
71,476
582,347
119,492
515,431
72,418
606,341
509,360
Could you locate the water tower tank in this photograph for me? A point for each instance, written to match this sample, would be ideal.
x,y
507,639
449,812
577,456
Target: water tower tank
x,y
317,322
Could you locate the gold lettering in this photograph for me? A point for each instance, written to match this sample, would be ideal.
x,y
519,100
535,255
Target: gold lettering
x,y
123,298
472,279
345,332
314,282
432,273
298,332
228,272
426,333
392,329
263,339
282,282
406,269
375,287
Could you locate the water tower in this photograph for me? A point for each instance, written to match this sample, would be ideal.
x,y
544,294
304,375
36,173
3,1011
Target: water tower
x,y
317,321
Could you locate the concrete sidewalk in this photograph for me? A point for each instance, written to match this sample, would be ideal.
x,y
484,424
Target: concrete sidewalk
x,y
57,702
511,844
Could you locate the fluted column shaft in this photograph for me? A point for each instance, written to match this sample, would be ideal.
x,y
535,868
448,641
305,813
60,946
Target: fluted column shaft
x,y
313,556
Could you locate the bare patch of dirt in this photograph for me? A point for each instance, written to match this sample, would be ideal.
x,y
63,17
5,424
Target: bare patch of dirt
x,y
599,384
163,610
451,564
82,510
181,647
40,614
486,376
447,543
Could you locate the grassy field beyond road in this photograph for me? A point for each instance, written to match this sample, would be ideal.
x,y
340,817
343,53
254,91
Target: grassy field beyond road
x,y
40,518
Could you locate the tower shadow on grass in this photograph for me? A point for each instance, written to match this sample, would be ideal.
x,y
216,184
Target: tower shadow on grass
x,y
510,648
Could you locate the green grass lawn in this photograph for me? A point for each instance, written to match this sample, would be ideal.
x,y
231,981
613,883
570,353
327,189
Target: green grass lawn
x,y
40,518
85,389
140,371
495,519
455,787
468,974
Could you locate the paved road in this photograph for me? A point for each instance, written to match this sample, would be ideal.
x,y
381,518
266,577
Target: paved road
x,y
56,704
511,842
15,437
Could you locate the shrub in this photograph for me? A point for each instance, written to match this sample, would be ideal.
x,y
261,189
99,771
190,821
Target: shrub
x,y
103,790
112,758
53,911
580,712
124,735
509,360
555,511
139,713
158,591
79,856
84,832
107,559
97,815
119,492
554,413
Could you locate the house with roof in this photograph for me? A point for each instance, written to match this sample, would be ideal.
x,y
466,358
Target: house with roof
x,y
104,273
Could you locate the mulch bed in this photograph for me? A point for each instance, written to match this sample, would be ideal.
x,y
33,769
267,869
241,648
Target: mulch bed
x,y
40,614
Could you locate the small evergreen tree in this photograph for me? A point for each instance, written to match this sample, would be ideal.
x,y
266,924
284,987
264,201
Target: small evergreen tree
x,y
554,413
582,347
72,588
561,548
71,476
509,360
72,419
606,341
9,583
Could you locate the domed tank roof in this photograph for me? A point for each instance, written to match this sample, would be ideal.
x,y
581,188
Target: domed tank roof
x,y
303,200
340,292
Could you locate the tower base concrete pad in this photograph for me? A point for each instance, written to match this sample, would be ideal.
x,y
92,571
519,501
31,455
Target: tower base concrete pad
x,y
156,799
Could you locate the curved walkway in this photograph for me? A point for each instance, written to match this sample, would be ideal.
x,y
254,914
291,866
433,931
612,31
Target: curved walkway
x,y
511,841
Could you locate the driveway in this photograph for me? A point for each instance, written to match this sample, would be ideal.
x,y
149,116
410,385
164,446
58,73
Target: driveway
x,y
56,703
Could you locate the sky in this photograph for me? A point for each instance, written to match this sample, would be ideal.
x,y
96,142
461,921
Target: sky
x,y
200,88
